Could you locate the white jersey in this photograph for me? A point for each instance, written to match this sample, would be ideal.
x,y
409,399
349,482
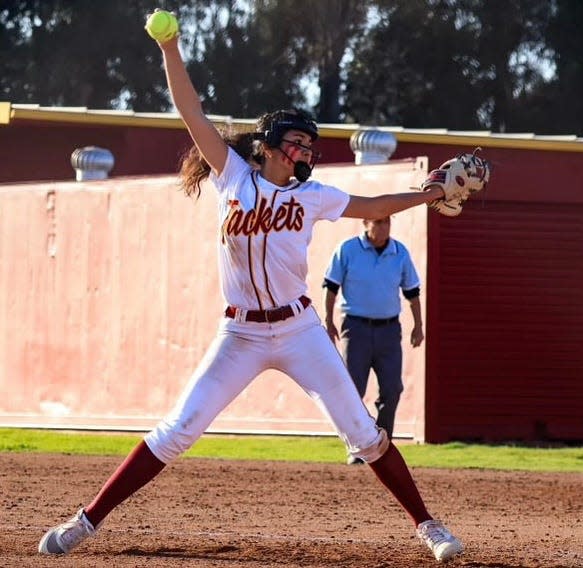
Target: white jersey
x,y
265,231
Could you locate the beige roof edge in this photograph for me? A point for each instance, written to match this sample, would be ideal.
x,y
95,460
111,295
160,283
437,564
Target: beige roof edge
x,y
83,115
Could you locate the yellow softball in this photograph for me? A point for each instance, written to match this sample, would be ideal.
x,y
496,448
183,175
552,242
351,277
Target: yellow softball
x,y
162,25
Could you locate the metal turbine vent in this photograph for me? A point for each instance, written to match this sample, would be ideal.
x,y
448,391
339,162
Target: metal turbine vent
x,y
92,163
372,146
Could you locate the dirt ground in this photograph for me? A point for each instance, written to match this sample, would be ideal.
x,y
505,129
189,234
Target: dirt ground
x,y
227,514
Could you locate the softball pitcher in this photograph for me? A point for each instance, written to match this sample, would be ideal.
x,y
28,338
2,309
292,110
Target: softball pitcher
x,y
266,216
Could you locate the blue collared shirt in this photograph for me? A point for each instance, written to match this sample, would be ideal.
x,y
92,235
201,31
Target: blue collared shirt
x,y
370,281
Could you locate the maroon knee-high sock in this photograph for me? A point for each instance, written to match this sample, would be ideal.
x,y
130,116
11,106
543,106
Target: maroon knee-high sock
x,y
140,467
394,474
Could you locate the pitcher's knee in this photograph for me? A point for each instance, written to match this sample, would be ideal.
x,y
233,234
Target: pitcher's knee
x,y
168,440
374,451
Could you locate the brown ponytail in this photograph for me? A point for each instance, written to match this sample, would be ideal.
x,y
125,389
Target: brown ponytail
x,y
194,169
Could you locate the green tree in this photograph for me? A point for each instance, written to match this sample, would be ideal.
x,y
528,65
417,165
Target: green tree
x,y
244,56
81,53
255,57
457,64
246,63
510,43
415,68
564,97
326,32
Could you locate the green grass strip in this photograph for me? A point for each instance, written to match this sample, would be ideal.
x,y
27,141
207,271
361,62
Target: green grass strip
x,y
300,448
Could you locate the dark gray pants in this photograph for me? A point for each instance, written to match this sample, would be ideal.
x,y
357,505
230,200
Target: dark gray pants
x,y
377,347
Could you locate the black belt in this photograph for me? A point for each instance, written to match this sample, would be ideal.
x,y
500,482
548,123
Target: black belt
x,y
267,316
373,321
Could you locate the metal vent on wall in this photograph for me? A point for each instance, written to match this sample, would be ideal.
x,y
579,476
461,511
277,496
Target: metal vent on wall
x,y
372,146
92,163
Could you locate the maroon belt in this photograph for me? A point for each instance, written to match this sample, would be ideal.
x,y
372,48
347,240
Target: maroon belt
x,y
267,316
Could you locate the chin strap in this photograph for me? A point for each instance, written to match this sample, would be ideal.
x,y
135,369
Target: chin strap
x,y
302,170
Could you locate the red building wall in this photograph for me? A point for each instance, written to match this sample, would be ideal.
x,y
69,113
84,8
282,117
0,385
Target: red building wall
x,y
504,294
33,151
109,297
505,301
505,313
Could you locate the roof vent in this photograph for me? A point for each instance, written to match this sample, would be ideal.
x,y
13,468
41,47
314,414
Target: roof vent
x,y
372,146
92,163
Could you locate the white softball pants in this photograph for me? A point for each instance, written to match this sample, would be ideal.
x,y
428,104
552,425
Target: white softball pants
x,y
299,347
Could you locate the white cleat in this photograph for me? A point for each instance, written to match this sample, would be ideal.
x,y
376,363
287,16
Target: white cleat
x,y
63,538
439,540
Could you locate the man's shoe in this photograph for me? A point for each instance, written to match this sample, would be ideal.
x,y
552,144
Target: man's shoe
x,y
63,538
439,540
351,460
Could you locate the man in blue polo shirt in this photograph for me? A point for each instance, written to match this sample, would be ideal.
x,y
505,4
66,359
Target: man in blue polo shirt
x,y
371,269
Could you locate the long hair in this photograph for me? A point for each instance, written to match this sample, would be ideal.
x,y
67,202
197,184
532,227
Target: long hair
x,y
194,169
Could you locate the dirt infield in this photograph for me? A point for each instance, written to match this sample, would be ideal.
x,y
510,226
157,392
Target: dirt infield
x,y
268,514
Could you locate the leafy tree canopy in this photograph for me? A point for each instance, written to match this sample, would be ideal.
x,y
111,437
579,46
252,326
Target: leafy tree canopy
x,y
503,65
